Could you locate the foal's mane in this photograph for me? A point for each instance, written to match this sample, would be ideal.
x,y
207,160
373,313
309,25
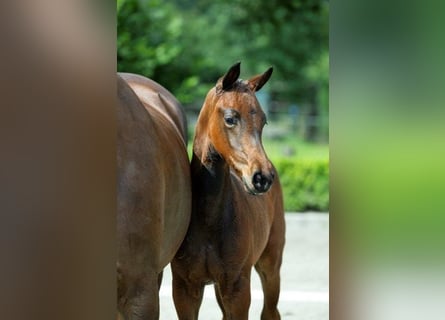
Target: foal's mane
x,y
238,86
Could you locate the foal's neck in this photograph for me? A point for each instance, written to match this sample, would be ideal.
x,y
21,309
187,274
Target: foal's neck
x,y
212,190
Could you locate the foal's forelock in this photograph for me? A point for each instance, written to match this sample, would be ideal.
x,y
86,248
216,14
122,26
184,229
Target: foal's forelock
x,y
238,86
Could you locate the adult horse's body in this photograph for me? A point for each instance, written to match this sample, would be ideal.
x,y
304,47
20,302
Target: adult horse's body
x,y
154,191
237,209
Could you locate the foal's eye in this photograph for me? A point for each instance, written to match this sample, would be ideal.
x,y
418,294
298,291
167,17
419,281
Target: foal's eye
x,y
231,118
230,121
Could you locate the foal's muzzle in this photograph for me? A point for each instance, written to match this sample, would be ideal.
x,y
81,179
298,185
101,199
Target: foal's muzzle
x,y
262,182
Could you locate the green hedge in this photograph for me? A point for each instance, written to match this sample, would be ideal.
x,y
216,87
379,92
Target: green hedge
x,y
305,184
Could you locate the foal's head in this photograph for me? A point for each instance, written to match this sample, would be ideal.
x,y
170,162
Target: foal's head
x,y
230,127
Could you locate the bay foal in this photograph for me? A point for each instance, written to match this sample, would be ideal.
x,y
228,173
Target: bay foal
x,y
237,208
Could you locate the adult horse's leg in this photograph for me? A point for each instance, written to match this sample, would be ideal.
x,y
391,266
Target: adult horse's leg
x,y
187,297
141,299
235,296
268,268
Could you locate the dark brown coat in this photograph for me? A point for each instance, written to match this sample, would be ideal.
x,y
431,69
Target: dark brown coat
x,y
154,191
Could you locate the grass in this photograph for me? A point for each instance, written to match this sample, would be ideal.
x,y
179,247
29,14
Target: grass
x,y
294,148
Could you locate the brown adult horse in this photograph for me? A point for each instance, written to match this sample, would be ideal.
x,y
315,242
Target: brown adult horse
x,y
154,191
237,208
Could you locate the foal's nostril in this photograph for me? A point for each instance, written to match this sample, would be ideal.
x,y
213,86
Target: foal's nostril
x,y
260,182
256,180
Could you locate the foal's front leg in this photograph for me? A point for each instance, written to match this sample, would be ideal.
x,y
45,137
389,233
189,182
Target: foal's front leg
x,y
234,295
268,268
187,297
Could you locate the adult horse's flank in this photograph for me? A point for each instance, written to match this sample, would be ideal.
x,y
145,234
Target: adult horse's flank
x,y
237,208
154,191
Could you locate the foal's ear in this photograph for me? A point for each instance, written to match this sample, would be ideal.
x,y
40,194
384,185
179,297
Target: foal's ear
x,y
257,82
230,77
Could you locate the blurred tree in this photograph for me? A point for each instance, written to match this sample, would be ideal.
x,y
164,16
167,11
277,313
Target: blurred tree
x,y
187,44
317,73
293,37
148,35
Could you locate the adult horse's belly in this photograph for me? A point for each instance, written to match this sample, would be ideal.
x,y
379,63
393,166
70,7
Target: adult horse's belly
x,y
176,197
154,196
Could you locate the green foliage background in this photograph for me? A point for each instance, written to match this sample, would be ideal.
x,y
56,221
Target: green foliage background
x,y
187,44
305,184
